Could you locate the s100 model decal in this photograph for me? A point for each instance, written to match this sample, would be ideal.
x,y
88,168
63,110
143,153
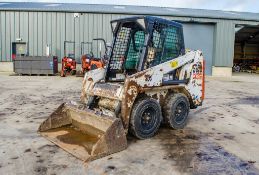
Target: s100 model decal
x,y
197,70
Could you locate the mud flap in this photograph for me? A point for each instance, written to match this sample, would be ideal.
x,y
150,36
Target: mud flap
x,y
83,133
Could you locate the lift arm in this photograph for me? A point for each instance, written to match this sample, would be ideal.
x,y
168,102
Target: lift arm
x,y
154,76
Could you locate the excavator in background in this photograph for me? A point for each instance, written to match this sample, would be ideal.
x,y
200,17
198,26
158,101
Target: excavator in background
x,y
149,79
68,61
90,61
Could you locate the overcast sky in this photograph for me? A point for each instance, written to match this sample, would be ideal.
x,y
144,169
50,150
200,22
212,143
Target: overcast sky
x,y
230,5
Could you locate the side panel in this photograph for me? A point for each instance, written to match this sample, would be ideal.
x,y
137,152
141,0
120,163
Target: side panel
x,y
48,33
53,33
81,31
224,47
24,27
107,33
77,37
35,34
3,36
61,35
200,37
31,34
8,37
44,33
70,32
40,33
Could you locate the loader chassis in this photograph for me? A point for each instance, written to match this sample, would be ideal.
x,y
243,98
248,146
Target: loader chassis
x,y
149,83
148,79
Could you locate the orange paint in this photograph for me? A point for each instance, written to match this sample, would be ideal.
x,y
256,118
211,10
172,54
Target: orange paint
x,y
203,80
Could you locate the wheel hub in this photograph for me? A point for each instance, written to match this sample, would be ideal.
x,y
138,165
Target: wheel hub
x,y
146,118
180,112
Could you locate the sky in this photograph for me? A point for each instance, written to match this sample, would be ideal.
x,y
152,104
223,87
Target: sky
x,y
227,5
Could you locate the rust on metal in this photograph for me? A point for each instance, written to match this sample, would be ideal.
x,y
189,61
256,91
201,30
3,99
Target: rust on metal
x,y
83,133
109,103
87,84
108,90
131,90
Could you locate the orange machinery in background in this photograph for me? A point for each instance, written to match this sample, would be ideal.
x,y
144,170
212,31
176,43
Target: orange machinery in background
x,y
88,60
68,61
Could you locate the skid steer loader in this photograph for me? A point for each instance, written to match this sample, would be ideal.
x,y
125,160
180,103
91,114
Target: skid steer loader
x,y
149,79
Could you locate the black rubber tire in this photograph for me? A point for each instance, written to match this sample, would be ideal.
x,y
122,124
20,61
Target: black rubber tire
x,y
93,66
176,107
141,126
73,72
63,73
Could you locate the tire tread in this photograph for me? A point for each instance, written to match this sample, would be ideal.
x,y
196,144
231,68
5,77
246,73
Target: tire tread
x,y
167,111
132,127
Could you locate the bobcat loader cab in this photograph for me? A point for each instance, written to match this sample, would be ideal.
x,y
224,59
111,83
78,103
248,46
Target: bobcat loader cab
x,y
148,79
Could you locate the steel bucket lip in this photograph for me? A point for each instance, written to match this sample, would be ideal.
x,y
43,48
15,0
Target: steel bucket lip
x,y
85,156
78,151
90,158
112,140
76,106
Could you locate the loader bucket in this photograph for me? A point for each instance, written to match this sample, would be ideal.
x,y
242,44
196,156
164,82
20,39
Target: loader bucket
x,y
83,133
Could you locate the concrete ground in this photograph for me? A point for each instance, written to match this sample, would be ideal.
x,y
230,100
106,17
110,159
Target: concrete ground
x,y
221,137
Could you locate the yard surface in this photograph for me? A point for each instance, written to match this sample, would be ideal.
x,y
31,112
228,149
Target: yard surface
x,y
221,137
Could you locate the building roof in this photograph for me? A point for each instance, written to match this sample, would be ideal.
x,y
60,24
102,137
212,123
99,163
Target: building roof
x,y
128,9
150,19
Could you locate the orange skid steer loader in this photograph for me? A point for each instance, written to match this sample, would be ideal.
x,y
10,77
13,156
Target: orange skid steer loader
x,y
90,61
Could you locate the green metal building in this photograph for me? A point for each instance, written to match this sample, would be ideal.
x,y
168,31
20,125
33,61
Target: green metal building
x,y
41,24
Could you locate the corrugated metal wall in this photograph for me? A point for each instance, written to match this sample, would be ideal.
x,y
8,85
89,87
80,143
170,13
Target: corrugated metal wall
x,y
225,41
41,28
224,45
53,28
